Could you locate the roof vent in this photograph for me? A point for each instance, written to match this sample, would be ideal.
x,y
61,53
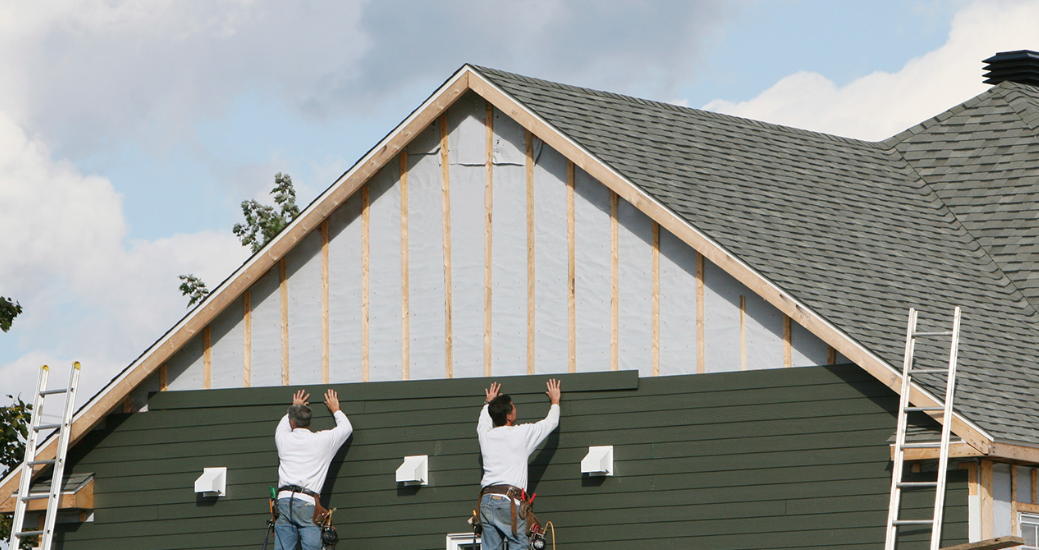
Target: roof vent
x,y
1020,66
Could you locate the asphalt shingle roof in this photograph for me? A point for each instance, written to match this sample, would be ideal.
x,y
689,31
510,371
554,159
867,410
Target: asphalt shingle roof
x,y
939,216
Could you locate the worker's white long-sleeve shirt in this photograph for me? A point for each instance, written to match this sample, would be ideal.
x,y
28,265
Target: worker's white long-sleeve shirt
x,y
506,449
304,456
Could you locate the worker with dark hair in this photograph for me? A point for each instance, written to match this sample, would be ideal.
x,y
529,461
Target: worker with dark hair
x,y
506,447
304,457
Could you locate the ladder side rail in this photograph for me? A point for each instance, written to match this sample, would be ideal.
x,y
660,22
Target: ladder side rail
x,y
943,461
59,464
20,504
900,435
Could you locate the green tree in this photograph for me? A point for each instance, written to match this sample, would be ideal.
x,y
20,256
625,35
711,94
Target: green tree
x,y
262,223
14,428
9,309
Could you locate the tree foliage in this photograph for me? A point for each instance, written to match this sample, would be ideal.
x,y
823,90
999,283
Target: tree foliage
x,y
262,223
14,428
193,288
9,309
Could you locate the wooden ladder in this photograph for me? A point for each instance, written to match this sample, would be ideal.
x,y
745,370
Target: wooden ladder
x,y
894,521
58,462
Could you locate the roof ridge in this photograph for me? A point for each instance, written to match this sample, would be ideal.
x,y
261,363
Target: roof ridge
x,y
671,106
940,117
1017,96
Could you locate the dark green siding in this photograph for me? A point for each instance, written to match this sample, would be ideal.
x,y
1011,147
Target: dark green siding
x,y
785,458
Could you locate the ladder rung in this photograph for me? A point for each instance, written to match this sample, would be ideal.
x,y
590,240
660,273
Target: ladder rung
x,y
898,522
28,533
51,392
924,409
918,484
42,427
922,445
929,371
37,496
942,333
38,462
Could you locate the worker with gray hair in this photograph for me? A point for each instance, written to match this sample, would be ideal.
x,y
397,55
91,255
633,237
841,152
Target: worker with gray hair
x,y
304,457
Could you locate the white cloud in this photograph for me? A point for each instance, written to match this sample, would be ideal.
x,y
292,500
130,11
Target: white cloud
x,y
882,104
88,294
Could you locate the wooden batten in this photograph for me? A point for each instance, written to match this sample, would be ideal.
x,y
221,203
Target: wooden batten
x,y
788,343
405,283
164,378
449,363
701,346
1035,486
614,284
656,301
743,332
324,303
1013,498
831,355
239,282
530,254
365,280
985,490
247,330
488,208
571,296
713,251
207,357
283,286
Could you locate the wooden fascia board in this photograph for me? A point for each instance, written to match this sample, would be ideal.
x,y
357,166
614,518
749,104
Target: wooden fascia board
x,y
310,219
717,254
80,499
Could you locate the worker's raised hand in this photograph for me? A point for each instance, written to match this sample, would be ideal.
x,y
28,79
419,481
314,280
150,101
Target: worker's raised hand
x,y
492,391
332,400
300,398
553,391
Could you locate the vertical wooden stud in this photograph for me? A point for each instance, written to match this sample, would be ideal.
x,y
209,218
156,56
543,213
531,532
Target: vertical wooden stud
x,y
207,358
656,300
284,287
985,489
614,283
571,236
530,253
446,200
1013,499
743,332
163,378
365,280
788,348
488,204
127,406
247,329
1035,486
405,284
700,344
831,355
324,303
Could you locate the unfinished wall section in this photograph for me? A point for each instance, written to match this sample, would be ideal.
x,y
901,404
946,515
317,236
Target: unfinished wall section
x,y
454,260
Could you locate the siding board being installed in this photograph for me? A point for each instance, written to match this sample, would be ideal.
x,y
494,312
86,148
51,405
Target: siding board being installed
x,y
784,458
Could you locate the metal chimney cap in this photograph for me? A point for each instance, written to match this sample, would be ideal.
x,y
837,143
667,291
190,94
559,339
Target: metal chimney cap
x,y
1020,66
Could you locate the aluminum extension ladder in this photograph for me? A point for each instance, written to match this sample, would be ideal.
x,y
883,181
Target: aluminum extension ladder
x,y
904,408
58,462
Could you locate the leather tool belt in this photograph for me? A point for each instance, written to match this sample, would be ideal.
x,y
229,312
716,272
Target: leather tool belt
x,y
298,489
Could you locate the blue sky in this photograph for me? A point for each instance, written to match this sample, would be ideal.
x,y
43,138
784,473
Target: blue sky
x,y
129,133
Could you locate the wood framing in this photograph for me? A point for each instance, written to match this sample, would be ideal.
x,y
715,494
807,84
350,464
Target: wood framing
x,y
614,283
531,273
1035,485
82,498
247,331
405,270
831,355
788,344
958,449
719,256
445,166
985,479
571,296
324,303
743,332
365,281
207,357
324,205
1013,498
488,217
283,286
164,378
989,544
701,346
656,301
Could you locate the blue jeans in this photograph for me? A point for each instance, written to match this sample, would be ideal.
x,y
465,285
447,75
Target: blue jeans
x,y
295,523
496,518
